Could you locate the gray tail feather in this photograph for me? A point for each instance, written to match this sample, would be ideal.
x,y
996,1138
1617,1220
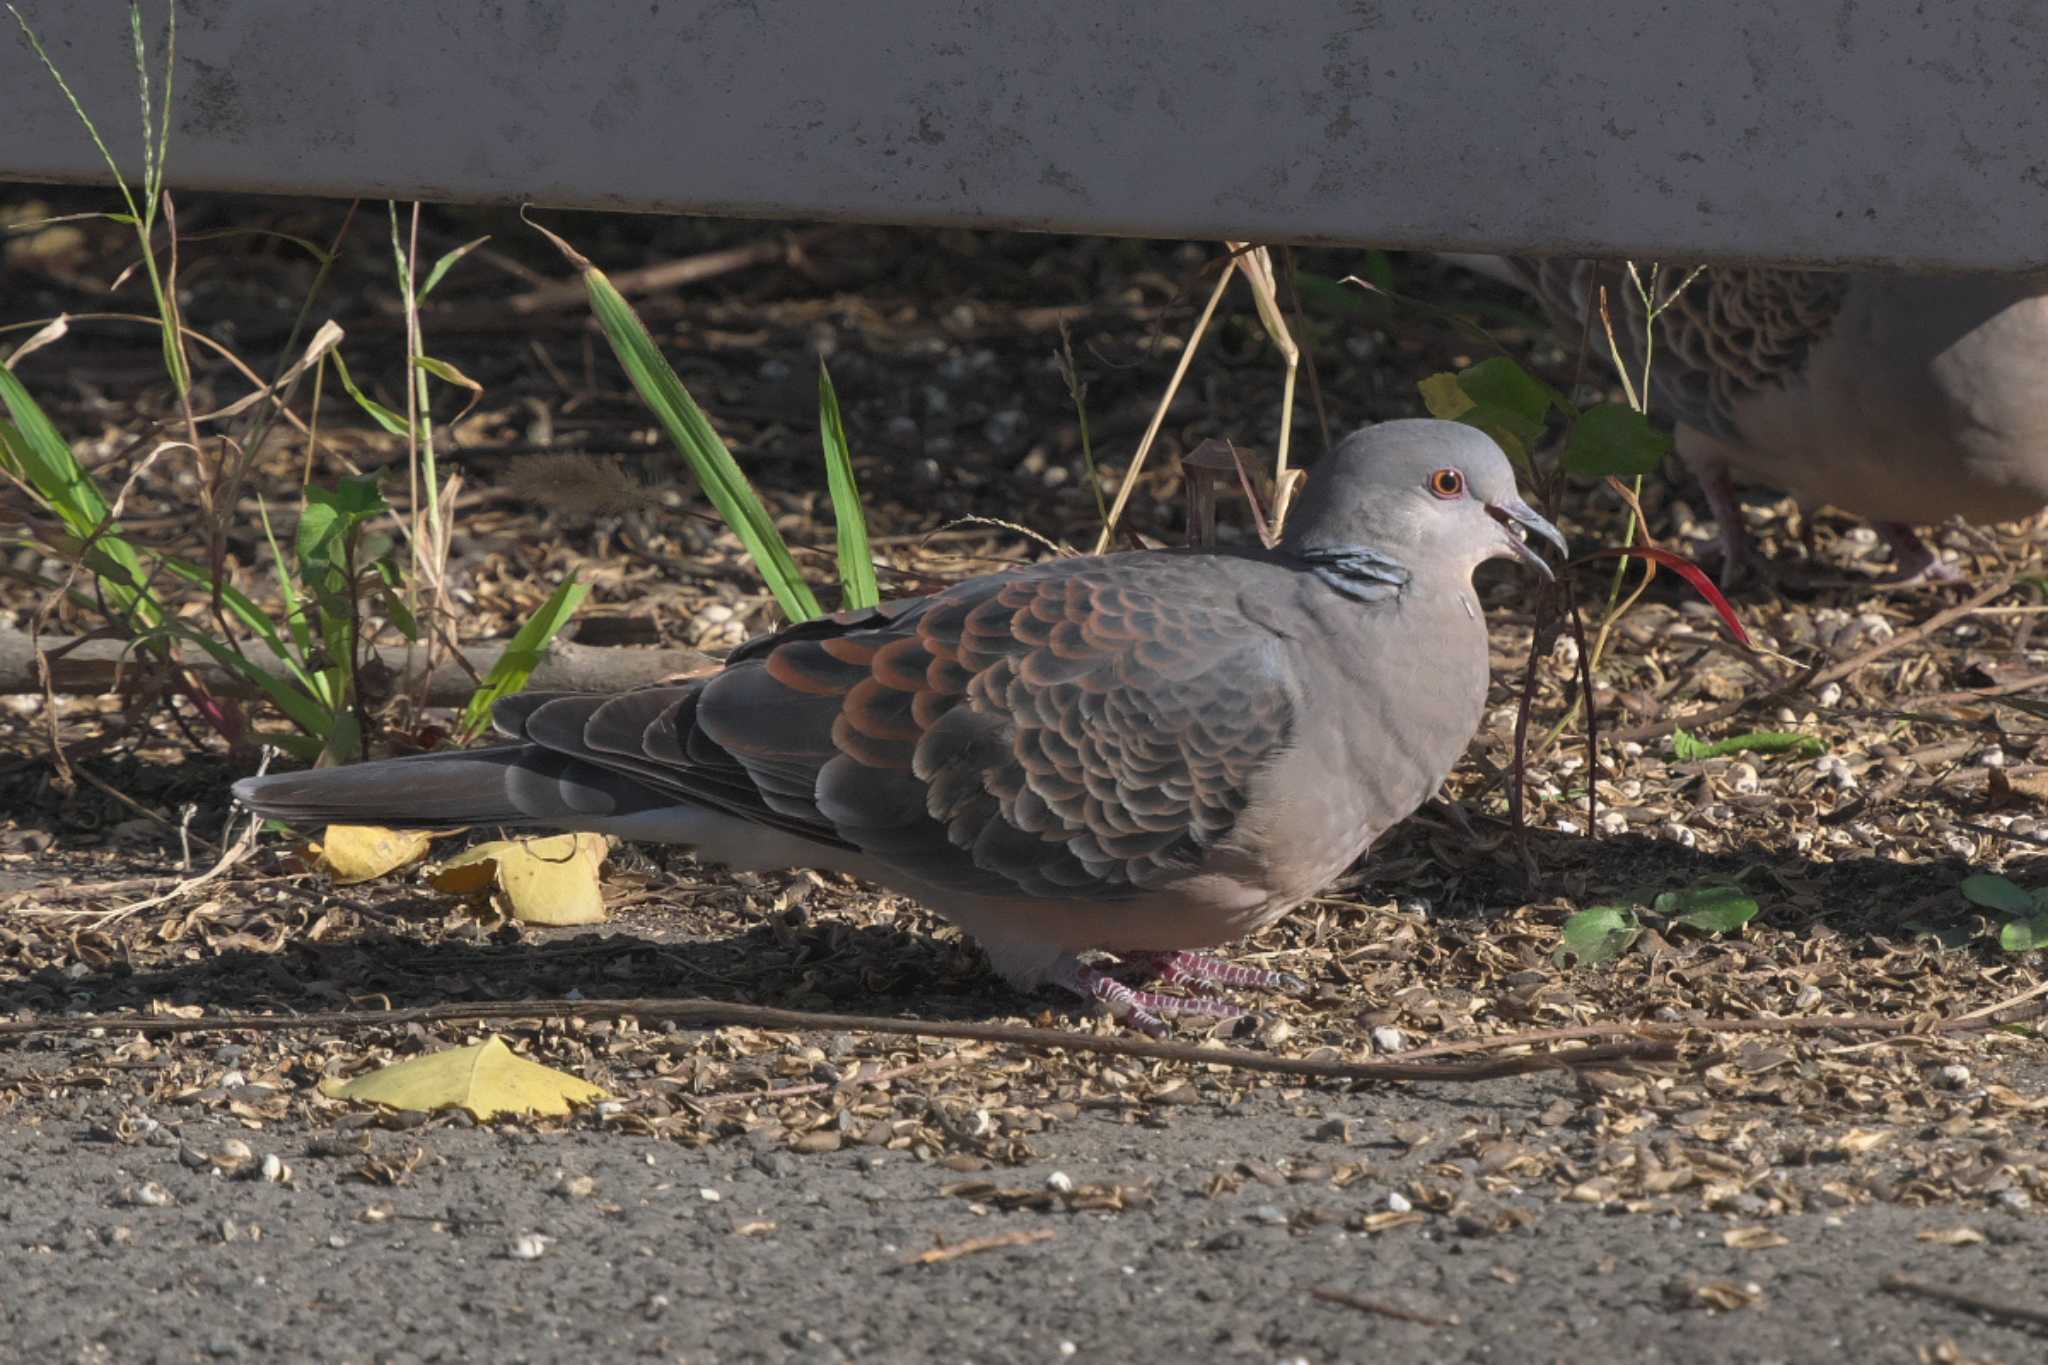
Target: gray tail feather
x,y
511,784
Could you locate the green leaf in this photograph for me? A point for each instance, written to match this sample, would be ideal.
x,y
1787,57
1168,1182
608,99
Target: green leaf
x,y
857,584
1687,747
1598,935
331,513
2024,935
1502,384
381,415
1445,397
1996,893
1614,438
523,655
692,433
441,266
390,590
1498,397
1948,938
1710,909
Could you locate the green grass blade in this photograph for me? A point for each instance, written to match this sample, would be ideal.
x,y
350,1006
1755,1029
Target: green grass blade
x,y
46,464
90,129
294,613
381,415
523,655
441,266
722,479
240,606
301,710
857,584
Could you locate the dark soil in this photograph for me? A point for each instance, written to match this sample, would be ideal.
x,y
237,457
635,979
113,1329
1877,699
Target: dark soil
x,y
1742,1195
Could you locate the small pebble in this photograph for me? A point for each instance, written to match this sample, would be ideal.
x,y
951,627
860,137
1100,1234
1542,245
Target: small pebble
x,y
1954,1076
708,1195
1743,778
1389,1039
572,1186
1398,1202
1269,1214
1059,1182
528,1246
776,1165
1831,695
149,1196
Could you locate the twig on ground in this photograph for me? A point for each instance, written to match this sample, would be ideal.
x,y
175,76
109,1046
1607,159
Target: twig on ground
x,y
92,667
1386,1310
713,1013
696,269
1896,1283
1021,1237
1977,1021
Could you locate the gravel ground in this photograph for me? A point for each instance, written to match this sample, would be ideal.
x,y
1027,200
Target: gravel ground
x,y
515,1246
1848,1087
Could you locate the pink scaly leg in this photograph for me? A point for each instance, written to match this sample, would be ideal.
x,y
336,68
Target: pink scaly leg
x,y
1201,972
1146,1011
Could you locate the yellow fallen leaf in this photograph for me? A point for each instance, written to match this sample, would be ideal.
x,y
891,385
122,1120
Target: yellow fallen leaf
x,y
359,853
487,1079
543,881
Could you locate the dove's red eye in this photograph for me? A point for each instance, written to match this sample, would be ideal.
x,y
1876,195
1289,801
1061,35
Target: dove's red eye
x,y
1447,483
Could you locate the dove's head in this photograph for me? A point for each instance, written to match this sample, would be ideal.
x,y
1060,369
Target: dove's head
x,y
1428,494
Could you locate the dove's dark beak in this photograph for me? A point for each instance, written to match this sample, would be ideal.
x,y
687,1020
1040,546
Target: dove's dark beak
x,y
1518,519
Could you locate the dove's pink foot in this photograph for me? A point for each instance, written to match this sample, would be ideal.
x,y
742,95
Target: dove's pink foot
x,y
1146,1011
1201,972
1913,560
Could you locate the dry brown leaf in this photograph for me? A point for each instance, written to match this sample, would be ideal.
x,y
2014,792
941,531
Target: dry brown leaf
x,y
1727,1295
1753,1239
361,853
1951,1237
1857,1141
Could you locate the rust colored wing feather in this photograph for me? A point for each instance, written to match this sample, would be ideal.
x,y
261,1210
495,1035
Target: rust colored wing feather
x,y
1085,728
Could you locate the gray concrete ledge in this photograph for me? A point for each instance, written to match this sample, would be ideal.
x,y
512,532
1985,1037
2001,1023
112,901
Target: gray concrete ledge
x,y
1858,131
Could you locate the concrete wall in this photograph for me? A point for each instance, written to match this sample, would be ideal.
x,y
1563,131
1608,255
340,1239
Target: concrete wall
x,y
1830,131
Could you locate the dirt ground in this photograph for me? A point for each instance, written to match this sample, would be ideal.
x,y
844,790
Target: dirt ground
x,y
1829,1098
